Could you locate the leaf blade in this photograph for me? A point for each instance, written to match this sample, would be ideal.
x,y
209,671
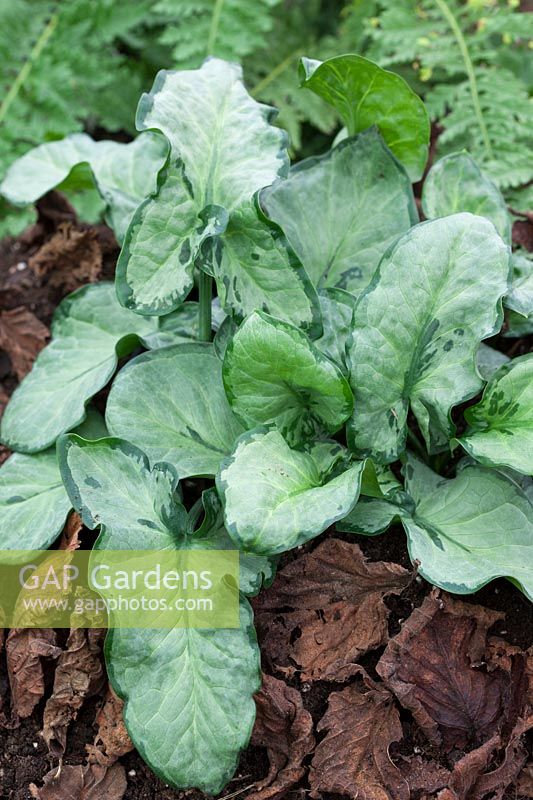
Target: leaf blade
x,y
501,424
366,95
188,422
297,495
424,358
273,374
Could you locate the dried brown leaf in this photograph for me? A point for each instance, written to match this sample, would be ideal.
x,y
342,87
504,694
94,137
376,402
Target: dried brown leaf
x,y
78,675
71,258
24,650
285,728
431,666
22,336
494,784
524,784
70,537
337,611
470,779
112,740
90,782
353,759
422,776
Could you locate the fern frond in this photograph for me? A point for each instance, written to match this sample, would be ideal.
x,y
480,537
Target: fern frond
x,y
312,28
57,61
469,60
230,29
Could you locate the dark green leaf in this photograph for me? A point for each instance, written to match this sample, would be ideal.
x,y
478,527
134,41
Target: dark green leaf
x,y
272,373
366,95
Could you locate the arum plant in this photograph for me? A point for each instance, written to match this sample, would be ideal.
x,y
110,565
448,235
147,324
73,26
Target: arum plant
x,y
349,333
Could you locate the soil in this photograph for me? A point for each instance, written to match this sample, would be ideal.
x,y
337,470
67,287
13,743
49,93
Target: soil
x,y
24,758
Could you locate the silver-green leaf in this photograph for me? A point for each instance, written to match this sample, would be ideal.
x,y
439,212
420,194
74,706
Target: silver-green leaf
x,y
273,373
33,501
90,331
500,429
455,183
188,683
171,403
254,267
467,531
366,95
222,150
337,308
276,498
328,205
124,174
417,328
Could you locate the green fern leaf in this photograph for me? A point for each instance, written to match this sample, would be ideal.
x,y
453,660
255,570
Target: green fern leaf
x,y
230,29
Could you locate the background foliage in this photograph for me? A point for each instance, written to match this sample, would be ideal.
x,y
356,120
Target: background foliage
x,y
81,65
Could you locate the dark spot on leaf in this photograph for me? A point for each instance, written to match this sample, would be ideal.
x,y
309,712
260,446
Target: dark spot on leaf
x,y
185,252
147,523
255,256
92,482
448,345
459,331
16,498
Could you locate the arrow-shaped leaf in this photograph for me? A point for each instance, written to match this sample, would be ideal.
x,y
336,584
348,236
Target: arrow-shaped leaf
x,y
276,498
188,692
327,209
424,357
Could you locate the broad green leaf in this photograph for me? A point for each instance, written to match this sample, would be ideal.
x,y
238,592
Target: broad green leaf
x,y
222,150
455,183
189,697
90,331
520,296
337,308
467,531
178,327
110,483
272,373
369,517
489,361
276,498
366,95
341,211
187,682
417,328
124,174
212,535
255,268
500,429
171,403
33,501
